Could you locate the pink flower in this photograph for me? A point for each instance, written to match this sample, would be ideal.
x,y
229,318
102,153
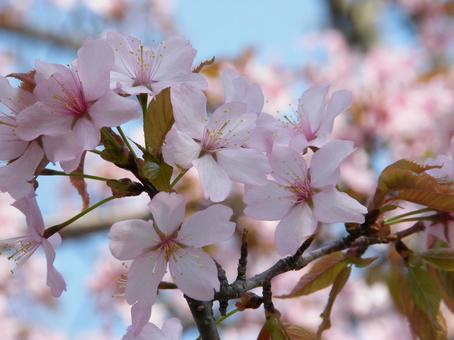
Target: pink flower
x,y
213,144
74,104
22,247
316,116
139,69
171,330
300,198
23,156
153,244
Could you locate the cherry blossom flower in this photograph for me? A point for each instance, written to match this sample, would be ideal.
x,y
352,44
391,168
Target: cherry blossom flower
x,y
301,197
21,248
316,116
153,244
213,144
23,156
139,69
74,104
171,330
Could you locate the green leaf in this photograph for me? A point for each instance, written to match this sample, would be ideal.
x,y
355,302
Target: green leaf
x,y
124,187
441,258
157,172
295,332
447,281
157,121
272,329
424,291
338,285
321,275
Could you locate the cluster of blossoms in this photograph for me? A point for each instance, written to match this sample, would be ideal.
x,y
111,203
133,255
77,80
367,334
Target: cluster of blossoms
x,y
290,169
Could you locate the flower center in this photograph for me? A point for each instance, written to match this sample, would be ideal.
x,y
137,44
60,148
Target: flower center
x,y
302,190
70,100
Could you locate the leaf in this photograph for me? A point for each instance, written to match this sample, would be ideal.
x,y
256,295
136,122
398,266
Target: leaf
x,y
421,324
80,184
338,285
447,281
436,276
297,332
406,180
157,172
361,262
157,121
204,63
441,258
423,291
272,329
321,275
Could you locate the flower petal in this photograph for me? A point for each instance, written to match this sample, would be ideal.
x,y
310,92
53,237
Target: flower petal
x,y
311,107
35,223
113,110
338,103
332,206
144,277
244,165
95,60
149,332
326,161
288,167
180,149
172,329
291,231
215,182
168,211
55,280
140,315
207,226
189,110
131,238
195,273
12,146
268,202
16,99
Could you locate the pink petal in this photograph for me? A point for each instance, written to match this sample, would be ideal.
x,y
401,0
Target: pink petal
x,y
311,107
338,103
55,280
195,273
291,231
131,238
268,202
195,80
95,60
11,146
244,165
113,110
15,176
35,223
215,182
180,149
45,70
208,226
39,119
172,329
149,332
173,56
189,110
144,277
288,166
332,206
14,98
168,211
326,161
262,137
124,60
299,143
140,315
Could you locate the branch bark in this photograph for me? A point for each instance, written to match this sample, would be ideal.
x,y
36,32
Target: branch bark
x,y
202,312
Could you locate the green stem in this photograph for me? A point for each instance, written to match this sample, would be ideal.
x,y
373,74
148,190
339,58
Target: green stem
x,y
108,136
125,139
143,98
51,172
419,211
56,228
180,176
222,318
412,219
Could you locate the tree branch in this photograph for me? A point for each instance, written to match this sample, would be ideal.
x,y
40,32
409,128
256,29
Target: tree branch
x,y
202,313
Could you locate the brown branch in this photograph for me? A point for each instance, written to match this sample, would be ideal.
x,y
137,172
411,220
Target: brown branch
x,y
202,313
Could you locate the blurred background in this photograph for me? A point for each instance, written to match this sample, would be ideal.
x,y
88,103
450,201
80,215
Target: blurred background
x,y
395,56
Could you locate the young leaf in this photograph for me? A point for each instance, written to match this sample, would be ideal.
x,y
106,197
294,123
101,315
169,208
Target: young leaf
x,y
361,262
321,275
124,187
157,121
157,172
338,285
441,258
297,332
424,291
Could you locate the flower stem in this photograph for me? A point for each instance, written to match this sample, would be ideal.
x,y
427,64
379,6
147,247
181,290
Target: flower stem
x,y
125,139
180,176
56,228
51,172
